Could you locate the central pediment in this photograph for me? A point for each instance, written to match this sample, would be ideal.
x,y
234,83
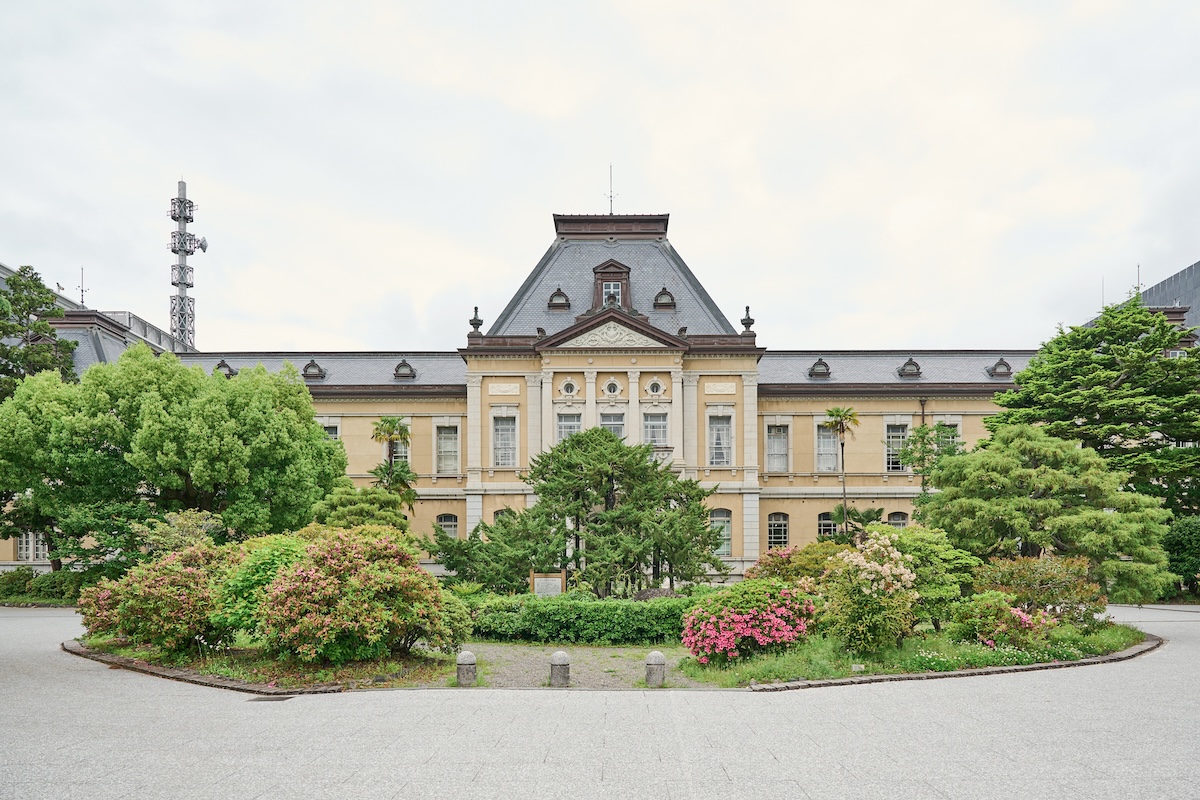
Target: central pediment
x,y
611,334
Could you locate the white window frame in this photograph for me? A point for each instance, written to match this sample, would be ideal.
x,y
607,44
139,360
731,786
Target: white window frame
x,y
617,426
722,518
576,425
893,443
776,521
828,436
448,523
607,288
825,524
440,467
726,450
647,432
505,457
778,460
898,519
31,546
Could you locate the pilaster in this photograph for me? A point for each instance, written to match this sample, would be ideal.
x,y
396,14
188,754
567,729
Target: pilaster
x,y
633,427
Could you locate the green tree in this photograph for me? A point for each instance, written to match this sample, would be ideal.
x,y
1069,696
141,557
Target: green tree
x,y
842,421
349,507
28,343
944,573
1025,492
1182,544
393,474
926,445
853,523
1113,385
144,436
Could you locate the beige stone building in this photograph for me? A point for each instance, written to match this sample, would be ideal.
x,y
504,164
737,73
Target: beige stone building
x,y
611,328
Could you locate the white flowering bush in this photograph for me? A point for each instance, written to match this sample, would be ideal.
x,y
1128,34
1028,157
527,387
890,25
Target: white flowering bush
x,y
870,594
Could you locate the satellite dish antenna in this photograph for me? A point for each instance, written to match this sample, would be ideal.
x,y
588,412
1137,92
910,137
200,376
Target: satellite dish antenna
x,y
202,244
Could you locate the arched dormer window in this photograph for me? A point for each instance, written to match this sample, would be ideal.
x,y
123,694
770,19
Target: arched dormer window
x,y
559,300
819,369
664,301
312,371
1001,369
909,369
404,371
224,368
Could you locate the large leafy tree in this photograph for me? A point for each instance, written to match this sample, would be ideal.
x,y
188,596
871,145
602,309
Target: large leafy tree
x,y
28,343
1024,492
606,510
1114,386
147,435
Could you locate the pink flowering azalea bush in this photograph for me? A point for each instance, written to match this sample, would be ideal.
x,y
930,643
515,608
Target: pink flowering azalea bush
x,y
166,602
753,616
355,597
995,618
870,594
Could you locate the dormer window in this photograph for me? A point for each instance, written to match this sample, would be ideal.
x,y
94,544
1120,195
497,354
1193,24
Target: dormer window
x,y
1001,369
612,286
312,371
404,371
909,369
612,293
559,300
664,301
224,368
819,369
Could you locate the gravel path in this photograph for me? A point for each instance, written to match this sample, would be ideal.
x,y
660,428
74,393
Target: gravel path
x,y
527,666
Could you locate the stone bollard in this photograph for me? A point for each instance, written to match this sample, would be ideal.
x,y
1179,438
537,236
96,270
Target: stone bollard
x,y
656,670
466,668
560,669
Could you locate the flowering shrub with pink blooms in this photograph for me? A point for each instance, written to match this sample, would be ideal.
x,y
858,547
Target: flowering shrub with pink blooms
x,y
870,595
753,616
994,618
355,597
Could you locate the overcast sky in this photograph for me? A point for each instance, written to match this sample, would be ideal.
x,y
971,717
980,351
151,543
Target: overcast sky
x,y
862,175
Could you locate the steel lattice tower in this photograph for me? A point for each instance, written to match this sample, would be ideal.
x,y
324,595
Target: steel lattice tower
x,y
183,244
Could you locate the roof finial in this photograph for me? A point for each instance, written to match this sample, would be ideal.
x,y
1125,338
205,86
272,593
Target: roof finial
x,y
475,321
747,321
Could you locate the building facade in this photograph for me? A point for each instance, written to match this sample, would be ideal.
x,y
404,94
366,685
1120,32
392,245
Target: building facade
x,y
611,328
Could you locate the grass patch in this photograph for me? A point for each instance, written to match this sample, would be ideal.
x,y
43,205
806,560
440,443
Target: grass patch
x,y
25,600
248,662
825,657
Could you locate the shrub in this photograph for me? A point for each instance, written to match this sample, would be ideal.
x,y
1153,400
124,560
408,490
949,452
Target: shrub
x,y
789,564
1182,544
62,584
750,617
99,606
581,621
870,596
243,590
178,530
1059,586
994,619
943,572
355,597
16,582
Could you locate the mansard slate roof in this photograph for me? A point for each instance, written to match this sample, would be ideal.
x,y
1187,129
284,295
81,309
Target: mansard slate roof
x,y
354,374
964,371
653,265
1181,289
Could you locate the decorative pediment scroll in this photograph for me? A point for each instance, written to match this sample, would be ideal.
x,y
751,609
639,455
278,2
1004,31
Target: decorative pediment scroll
x,y
610,334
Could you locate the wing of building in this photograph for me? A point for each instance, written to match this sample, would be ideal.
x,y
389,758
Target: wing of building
x,y
612,328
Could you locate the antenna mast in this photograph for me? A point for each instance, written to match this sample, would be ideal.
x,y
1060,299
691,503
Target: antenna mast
x,y
610,194
183,244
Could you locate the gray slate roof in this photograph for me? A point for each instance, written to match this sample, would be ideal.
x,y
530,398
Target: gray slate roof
x,y
349,369
1181,289
568,264
880,366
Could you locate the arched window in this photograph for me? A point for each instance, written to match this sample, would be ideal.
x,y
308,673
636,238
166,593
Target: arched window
x,y
448,523
897,519
502,512
777,530
826,526
722,519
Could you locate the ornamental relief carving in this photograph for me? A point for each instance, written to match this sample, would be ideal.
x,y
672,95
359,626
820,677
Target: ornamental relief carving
x,y
610,334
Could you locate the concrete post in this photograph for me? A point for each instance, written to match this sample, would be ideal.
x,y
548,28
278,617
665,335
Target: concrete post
x,y
466,668
560,669
656,670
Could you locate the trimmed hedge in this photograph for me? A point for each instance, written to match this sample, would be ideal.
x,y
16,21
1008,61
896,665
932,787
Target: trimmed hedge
x,y
568,619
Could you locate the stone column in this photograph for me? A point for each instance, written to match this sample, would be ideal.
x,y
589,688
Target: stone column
x,y
676,420
656,670
750,463
633,425
474,426
533,416
589,403
548,408
560,669
691,445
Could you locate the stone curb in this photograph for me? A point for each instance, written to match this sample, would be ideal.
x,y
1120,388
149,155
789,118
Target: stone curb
x,y
1152,643
186,676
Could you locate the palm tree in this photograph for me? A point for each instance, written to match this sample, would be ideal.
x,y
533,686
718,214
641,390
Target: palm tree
x,y
842,421
396,478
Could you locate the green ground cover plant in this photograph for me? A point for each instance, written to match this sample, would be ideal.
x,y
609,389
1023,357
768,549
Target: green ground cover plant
x,y
577,619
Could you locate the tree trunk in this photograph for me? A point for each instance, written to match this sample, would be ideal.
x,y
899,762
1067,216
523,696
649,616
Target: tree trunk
x,y
845,508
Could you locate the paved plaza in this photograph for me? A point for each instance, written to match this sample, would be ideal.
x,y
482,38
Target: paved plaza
x,y
72,728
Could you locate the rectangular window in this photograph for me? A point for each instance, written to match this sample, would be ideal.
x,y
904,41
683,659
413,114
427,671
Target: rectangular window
x,y
31,547
611,288
777,448
614,423
331,431
449,523
720,441
722,519
896,435
447,449
777,530
569,424
654,429
827,449
399,452
504,441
